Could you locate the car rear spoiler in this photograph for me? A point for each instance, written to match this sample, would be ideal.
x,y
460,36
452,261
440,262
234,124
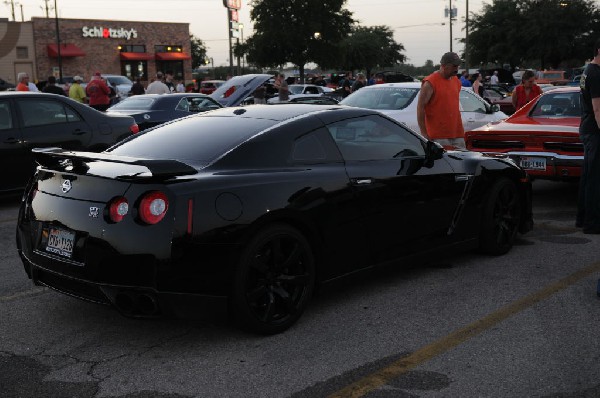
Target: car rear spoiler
x,y
58,158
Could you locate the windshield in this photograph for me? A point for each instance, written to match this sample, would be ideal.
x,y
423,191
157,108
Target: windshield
x,y
118,80
135,103
558,104
295,89
387,98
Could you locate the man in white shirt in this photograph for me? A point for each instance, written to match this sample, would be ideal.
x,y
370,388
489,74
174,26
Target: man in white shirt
x,y
157,86
494,78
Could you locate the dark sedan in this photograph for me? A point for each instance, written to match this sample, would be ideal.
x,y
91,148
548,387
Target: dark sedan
x,y
254,207
32,120
150,110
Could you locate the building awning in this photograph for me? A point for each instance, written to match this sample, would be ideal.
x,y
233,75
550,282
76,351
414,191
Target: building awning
x,y
172,56
125,56
66,50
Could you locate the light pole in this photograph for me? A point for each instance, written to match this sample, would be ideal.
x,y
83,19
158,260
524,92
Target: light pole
x,y
58,43
241,28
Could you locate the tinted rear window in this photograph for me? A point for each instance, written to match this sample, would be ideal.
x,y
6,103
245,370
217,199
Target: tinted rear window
x,y
139,103
386,98
199,139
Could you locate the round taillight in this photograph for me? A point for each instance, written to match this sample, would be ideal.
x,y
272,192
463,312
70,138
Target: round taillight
x,y
153,207
119,207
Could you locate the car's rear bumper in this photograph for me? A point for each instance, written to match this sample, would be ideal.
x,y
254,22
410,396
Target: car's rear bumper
x,y
557,166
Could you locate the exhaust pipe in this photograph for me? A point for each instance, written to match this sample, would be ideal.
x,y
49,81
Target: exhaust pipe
x,y
146,304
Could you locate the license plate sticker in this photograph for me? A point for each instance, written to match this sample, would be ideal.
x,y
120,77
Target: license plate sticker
x,y
60,242
533,163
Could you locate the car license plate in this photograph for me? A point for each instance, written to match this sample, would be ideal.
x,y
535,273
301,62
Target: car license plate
x,y
60,242
533,163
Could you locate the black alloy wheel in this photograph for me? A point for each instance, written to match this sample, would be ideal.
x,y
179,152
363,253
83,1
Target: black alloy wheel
x,y
273,281
500,219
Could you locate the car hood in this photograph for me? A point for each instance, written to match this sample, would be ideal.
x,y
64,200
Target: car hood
x,y
238,88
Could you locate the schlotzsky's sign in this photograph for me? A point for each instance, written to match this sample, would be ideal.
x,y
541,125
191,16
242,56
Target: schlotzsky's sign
x,y
109,33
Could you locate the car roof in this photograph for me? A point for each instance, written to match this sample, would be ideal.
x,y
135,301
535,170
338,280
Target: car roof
x,y
399,85
281,113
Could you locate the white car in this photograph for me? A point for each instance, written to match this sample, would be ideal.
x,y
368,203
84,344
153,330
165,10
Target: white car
x,y
302,90
399,101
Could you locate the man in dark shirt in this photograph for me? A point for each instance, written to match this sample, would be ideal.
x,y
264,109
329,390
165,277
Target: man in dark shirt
x,y
588,206
52,88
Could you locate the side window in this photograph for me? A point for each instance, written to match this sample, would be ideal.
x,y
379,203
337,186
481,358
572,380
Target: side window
x,y
308,148
183,105
40,112
470,103
374,138
6,121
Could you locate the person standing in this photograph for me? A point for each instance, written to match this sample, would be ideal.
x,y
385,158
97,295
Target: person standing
x,y
52,88
526,91
157,86
169,81
282,88
360,82
180,88
137,88
98,93
588,204
347,85
23,79
464,79
438,110
477,84
77,92
494,78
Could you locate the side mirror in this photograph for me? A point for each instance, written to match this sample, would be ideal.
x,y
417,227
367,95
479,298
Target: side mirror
x,y
495,108
433,152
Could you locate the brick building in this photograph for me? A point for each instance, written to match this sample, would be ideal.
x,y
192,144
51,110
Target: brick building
x,y
87,45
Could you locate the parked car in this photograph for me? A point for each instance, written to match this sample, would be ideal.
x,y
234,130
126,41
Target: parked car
x,y
399,101
209,86
301,90
542,137
555,77
253,207
4,85
150,110
239,89
32,120
500,98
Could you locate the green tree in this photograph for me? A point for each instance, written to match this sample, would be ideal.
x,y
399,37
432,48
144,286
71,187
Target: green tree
x,y
198,51
297,31
541,33
370,47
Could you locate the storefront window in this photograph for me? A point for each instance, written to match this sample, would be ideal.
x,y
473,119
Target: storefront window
x,y
132,48
171,48
134,69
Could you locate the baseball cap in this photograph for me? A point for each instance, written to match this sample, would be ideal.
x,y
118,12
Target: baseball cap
x,y
78,78
451,58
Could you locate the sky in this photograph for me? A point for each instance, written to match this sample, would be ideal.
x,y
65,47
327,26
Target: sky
x,y
417,24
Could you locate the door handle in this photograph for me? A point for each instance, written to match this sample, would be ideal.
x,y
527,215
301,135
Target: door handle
x,y
362,181
11,141
79,132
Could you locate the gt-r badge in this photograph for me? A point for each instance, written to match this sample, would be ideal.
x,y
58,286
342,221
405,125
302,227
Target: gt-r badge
x,y
66,186
94,212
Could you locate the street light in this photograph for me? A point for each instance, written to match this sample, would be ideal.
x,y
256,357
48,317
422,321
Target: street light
x,y
241,28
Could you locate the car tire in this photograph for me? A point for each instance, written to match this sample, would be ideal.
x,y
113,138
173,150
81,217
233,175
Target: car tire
x,y
273,281
500,218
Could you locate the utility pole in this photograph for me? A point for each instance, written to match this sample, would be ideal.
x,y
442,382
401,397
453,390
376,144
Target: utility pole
x,y
450,15
46,8
467,37
58,43
12,8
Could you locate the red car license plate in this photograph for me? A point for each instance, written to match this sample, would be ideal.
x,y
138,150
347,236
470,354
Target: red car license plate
x,y
60,242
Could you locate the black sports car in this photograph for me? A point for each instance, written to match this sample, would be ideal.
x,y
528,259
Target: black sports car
x,y
150,110
253,207
33,120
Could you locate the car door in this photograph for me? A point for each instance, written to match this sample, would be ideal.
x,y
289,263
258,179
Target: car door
x,y
407,203
474,111
50,122
15,158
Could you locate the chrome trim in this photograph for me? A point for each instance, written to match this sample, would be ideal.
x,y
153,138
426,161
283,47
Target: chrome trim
x,y
540,154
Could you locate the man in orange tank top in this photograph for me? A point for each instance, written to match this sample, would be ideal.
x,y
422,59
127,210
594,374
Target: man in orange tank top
x,y
438,109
